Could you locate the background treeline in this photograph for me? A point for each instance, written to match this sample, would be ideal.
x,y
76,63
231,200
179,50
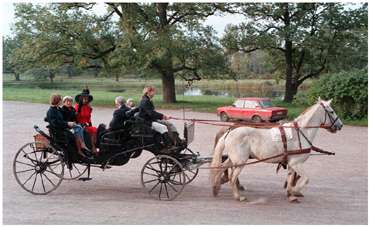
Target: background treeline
x,y
289,42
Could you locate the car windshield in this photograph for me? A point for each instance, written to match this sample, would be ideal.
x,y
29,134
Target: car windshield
x,y
266,103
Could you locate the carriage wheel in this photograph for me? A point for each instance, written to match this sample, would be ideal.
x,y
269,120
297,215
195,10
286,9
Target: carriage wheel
x,y
38,170
163,177
75,172
190,174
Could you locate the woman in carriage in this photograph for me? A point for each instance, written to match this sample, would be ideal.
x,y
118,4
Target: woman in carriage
x,y
57,121
83,115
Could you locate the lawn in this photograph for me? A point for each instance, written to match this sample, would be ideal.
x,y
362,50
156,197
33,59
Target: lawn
x,y
105,90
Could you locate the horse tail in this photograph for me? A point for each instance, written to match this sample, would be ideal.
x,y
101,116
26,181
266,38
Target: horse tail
x,y
215,175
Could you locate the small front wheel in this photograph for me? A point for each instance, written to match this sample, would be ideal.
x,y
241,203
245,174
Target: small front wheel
x,y
224,117
163,177
38,169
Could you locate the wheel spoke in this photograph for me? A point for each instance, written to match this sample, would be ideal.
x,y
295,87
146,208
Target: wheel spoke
x,y
52,172
70,173
29,178
152,168
48,179
165,187
25,163
154,187
172,187
25,170
79,173
42,182
175,182
150,181
33,186
160,191
151,174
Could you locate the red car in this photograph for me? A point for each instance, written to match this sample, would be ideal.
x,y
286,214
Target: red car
x,y
254,109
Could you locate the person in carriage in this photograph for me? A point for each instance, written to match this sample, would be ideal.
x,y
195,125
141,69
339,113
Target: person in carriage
x,y
57,122
83,116
158,121
121,114
69,115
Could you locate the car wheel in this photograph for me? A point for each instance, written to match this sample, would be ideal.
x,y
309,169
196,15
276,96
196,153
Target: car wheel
x,y
224,117
256,119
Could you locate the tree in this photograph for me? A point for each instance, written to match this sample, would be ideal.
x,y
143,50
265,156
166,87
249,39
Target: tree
x,y
52,36
304,36
157,34
9,66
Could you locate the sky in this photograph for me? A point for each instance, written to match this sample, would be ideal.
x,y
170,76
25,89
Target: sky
x,y
217,22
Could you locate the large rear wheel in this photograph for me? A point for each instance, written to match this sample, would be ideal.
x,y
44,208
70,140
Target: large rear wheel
x,y
38,168
163,178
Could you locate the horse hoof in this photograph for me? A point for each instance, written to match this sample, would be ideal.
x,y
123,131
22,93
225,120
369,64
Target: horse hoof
x,y
241,188
298,194
215,190
243,199
293,199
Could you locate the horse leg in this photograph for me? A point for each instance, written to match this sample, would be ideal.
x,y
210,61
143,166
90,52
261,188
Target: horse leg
x,y
291,181
301,182
234,186
220,178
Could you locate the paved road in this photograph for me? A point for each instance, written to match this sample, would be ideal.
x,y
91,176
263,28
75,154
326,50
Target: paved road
x,y
337,192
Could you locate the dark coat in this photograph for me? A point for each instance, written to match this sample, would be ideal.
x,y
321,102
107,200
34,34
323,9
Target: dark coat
x,y
69,114
55,118
120,116
146,110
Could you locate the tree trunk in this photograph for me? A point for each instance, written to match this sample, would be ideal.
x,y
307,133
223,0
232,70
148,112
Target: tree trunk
x,y
290,91
51,77
17,77
117,77
168,87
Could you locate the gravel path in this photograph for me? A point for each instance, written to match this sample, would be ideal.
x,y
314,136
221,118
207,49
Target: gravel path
x,y
336,194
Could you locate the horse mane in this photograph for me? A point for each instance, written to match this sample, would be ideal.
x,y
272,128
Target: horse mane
x,y
305,112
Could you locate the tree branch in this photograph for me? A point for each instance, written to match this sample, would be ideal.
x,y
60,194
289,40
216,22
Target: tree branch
x,y
115,8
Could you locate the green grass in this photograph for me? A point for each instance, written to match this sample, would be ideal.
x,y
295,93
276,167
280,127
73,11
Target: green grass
x,y
105,90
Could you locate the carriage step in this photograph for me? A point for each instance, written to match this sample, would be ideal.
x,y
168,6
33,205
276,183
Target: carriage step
x,y
85,178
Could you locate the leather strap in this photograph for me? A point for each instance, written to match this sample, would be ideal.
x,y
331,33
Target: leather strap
x,y
283,138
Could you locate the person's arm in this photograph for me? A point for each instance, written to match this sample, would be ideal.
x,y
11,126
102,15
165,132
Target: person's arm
x,y
56,119
149,109
131,112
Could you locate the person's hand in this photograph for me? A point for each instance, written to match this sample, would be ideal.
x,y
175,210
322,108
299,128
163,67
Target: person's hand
x,y
165,117
70,124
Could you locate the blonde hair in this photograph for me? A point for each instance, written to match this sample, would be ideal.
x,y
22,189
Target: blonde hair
x,y
55,99
65,98
148,89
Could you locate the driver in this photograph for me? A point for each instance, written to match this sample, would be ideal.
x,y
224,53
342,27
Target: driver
x,y
158,121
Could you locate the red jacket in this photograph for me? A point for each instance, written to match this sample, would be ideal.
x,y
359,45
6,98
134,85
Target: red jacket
x,y
84,117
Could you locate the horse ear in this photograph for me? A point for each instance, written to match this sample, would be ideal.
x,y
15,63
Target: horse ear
x,y
330,101
319,99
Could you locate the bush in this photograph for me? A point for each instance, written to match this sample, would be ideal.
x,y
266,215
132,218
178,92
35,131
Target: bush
x,y
348,91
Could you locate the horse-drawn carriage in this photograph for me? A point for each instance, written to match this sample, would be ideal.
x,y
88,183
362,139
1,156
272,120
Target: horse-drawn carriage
x,y
40,166
165,175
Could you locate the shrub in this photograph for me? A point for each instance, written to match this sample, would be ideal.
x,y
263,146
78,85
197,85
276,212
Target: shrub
x,y
348,91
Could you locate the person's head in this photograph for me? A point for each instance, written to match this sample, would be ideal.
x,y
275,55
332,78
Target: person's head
x,y
84,97
119,101
130,103
149,91
55,100
67,101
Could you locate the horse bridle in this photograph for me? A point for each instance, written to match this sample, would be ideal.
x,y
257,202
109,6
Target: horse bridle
x,y
329,115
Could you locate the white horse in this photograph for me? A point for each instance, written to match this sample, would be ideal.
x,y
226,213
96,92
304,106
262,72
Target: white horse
x,y
244,142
